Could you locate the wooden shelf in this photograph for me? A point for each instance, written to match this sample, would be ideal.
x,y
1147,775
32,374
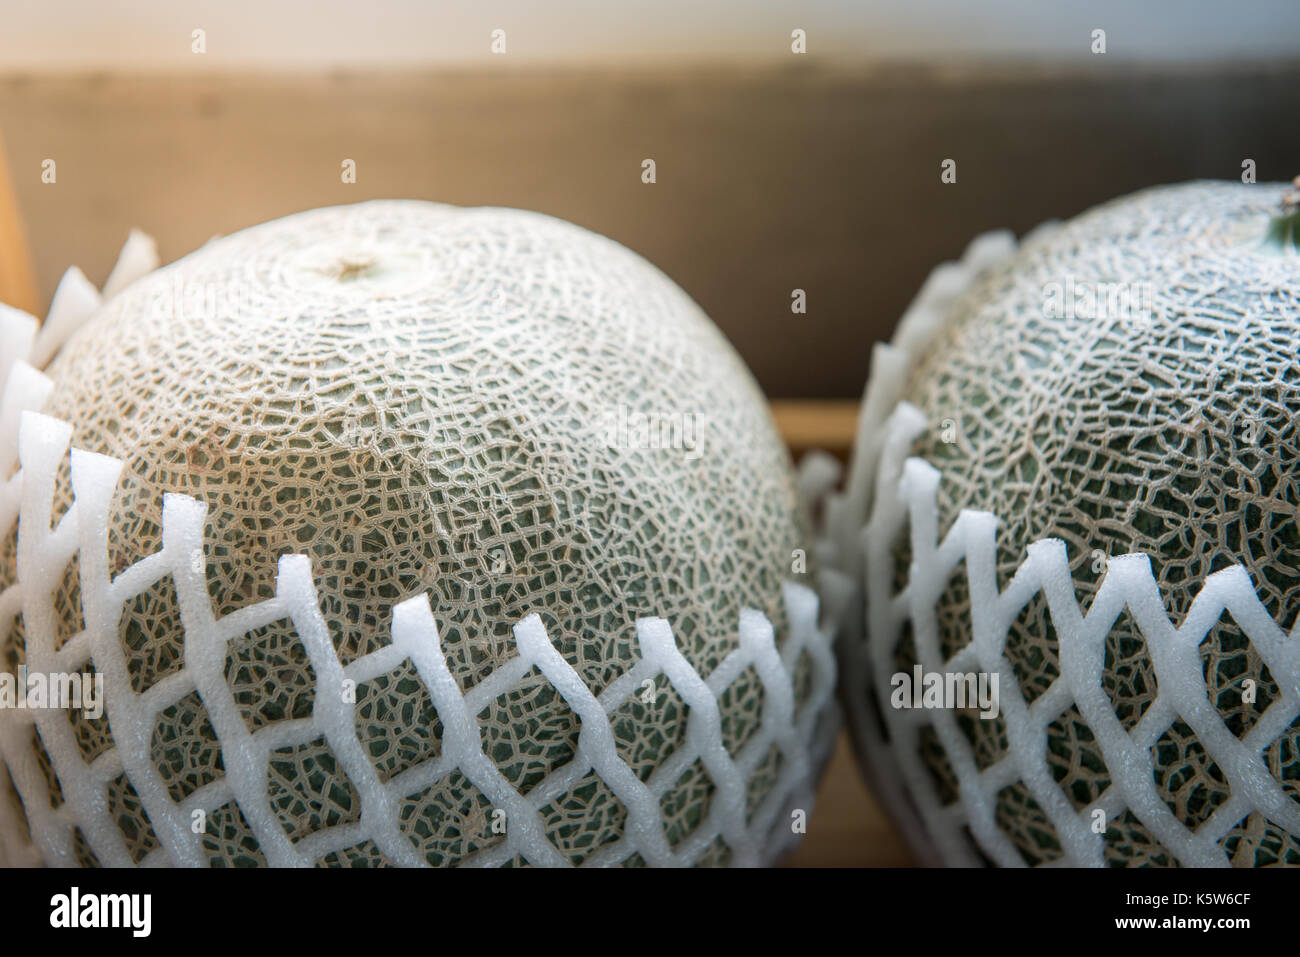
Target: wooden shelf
x,y
847,827
826,424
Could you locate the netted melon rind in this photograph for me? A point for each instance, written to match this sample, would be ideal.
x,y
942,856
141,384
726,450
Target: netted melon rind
x,y
1169,749
1136,781
586,324
80,825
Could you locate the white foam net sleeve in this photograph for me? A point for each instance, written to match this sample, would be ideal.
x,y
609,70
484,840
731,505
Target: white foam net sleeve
x,y
905,504
959,817
53,806
754,837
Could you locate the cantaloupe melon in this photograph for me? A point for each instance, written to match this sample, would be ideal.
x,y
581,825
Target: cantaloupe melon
x,y
426,399
1128,382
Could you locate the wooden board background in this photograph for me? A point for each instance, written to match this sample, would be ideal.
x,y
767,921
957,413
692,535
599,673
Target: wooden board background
x,y
769,179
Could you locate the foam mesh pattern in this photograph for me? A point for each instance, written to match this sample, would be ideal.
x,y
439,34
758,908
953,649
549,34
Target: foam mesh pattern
x,y
1102,511
690,737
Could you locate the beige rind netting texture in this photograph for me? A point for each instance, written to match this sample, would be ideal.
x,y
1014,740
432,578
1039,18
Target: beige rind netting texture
x,y
723,726
1013,806
1147,453
748,819
76,810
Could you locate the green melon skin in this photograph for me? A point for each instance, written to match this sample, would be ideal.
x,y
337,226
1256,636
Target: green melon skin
x,y
417,397
1170,431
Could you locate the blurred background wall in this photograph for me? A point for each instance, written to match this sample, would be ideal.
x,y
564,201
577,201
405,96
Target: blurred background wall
x,y
55,35
775,170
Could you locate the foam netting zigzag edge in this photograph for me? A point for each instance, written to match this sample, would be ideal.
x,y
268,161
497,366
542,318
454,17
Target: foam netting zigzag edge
x,y
39,444
890,493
